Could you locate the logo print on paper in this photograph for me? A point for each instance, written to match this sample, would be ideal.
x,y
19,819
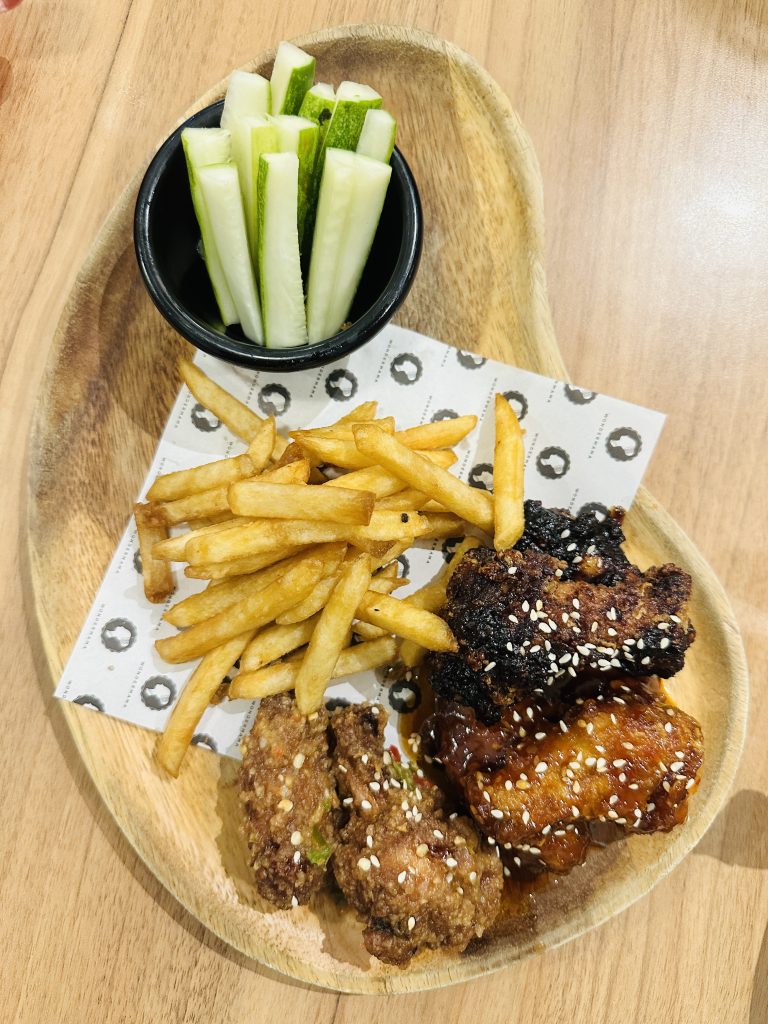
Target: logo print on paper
x,y
449,546
118,635
624,444
137,562
519,403
274,399
595,509
553,463
469,360
406,368
202,739
444,414
203,419
405,696
579,396
158,693
405,565
89,701
481,476
333,703
341,385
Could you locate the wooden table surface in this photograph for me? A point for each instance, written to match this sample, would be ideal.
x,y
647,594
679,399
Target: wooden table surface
x,y
649,119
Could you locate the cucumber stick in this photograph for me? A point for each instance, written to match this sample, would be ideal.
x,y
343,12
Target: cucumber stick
x,y
221,191
377,139
318,105
292,75
299,135
251,136
353,101
248,95
203,146
282,294
351,198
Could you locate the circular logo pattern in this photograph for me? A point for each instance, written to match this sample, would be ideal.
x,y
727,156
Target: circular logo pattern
x,y
406,368
448,547
202,739
405,565
594,508
444,414
579,396
341,385
89,701
481,476
137,562
274,399
553,462
334,703
405,696
624,444
469,360
158,693
118,635
519,403
203,419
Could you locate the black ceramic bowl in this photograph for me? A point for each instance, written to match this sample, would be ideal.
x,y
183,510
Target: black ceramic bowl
x,y
166,237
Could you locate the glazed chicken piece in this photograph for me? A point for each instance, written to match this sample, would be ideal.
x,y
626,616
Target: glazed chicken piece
x,y
290,801
529,623
421,880
629,758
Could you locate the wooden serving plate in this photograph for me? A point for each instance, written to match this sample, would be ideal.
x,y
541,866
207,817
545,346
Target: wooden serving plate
x,y
109,384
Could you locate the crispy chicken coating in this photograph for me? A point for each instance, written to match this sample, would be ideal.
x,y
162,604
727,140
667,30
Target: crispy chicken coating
x,y
535,785
421,879
529,623
289,797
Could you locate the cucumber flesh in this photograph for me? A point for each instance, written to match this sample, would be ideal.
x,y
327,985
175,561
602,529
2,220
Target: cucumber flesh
x,y
370,190
248,95
282,295
251,136
221,190
377,139
299,135
292,75
318,105
204,146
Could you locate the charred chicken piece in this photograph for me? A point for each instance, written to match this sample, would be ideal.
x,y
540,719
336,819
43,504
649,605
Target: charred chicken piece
x,y
627,758
290,801
590,548
525,629
421,880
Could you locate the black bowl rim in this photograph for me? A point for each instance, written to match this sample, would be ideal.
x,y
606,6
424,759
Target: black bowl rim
x,y
254,357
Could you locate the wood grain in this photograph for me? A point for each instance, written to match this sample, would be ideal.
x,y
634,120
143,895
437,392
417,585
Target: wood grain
x,y
647,123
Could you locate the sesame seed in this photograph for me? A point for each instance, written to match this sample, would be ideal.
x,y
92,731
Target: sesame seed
x,y
619,762
513,618
401,877
690,783
571,547
366,805
612,631
489,666
525,607
346,802
544,627
294,902
411,923
422,850
577,787
539,735
563,726
575,811
662,625
364,864
540,768
565,534
664,642
437,833
451,862
285,805
375,861
676,766
375,786
473,876
297,856
526,816
535,648
295,838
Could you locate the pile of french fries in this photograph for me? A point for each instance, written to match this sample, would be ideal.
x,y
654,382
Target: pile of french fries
x,y
299,538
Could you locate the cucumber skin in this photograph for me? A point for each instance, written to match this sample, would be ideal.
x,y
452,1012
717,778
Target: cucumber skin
x,y
298,85
318,109
307,155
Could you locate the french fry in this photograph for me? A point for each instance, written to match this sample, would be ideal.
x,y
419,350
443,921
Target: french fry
x,y
291,453
184,482
390,556
469,503
389,572
225,407
360,414
262,447
156,573
311,604
275,641
340,453
441,524
432,597
212,601
195,506
342,431
297,472
408,498
440,434
382,483
264,534
330,634
406,620
195,698
255,611
508,472
282,677
172,548
219,571
294,501
367,631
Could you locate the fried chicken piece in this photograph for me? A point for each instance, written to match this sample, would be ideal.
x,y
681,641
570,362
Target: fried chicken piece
x,y
290,800
627,758
421,879
590,548
524,628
